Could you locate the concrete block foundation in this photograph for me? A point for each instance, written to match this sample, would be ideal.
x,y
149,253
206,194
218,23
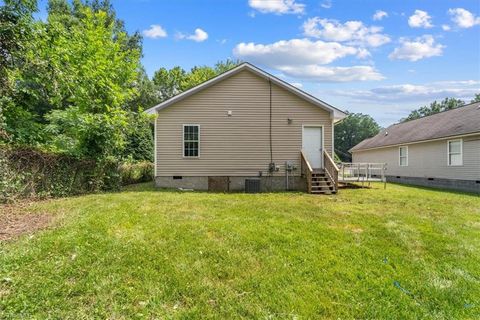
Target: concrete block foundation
x,y
236,184
439,183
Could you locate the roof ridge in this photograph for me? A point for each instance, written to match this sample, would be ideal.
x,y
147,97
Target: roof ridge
x,y
434,114
437,126
259,72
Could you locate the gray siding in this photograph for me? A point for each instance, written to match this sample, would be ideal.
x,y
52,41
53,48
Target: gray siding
x,y
236,145
428,160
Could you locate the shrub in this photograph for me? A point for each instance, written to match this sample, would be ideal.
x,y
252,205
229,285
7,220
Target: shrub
x,y
30,173
136,172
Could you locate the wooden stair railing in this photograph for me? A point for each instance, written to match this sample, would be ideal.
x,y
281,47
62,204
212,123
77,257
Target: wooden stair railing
x,y
320,181
331,169
306,170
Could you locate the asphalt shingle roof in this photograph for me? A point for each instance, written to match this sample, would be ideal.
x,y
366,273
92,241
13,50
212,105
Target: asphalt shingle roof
x,y
462,120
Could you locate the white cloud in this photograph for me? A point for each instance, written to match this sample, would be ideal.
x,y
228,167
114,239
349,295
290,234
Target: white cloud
x,y
463,18
420,19
331,74
293,52
420,48
464,90
445,27
379,15
305,59
352,32
277,6
297,84
198,36
326,4
156,31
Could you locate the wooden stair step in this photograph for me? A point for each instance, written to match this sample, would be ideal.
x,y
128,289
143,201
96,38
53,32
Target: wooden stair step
x,y
322,192
322,188
321,182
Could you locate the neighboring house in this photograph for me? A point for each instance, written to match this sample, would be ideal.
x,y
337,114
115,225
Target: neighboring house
x,y
441,150
243,124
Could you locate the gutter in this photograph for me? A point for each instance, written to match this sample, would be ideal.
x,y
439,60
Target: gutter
x,y
415,142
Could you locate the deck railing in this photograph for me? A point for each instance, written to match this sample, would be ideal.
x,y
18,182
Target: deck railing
x,y
331,169
307,171
362,172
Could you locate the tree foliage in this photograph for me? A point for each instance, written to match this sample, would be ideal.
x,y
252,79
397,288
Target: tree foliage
x,y
16,28
434,107
15,31
73,83
355,128
171,82
476,98
78,84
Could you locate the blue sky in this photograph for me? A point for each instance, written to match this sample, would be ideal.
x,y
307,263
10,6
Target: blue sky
x,y
382,58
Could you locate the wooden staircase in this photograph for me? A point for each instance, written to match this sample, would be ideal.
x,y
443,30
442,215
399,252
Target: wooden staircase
x,y
321,181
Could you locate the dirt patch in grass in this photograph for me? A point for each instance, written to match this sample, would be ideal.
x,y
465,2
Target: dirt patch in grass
x,y
15,220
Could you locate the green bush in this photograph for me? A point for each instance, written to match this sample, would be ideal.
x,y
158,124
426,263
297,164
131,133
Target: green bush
x,y
30,173
136,172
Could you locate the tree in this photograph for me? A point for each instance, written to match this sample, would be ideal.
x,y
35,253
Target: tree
x,y
148,93
169,82
198,75
476,98
176,80
16,26
223,66
72,94
434,107
355,128
15,31
139,138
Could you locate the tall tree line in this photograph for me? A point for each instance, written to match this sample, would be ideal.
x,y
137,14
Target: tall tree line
x,y
74,83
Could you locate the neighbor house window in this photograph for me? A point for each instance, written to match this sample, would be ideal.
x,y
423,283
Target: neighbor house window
x,y
191,140
403,156
455,157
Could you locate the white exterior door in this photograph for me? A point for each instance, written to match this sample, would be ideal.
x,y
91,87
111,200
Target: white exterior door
x,y
312,145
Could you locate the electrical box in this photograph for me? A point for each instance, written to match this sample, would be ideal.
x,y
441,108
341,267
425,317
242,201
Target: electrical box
x,y
272,167
290,166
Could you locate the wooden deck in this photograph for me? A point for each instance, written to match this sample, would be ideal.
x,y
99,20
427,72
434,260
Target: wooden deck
x,y
363,173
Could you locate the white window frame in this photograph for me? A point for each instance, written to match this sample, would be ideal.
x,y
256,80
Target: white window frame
x,y
400,156
461,152
183,140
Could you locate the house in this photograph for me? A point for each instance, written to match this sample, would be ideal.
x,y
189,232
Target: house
x,y
441,150
245,124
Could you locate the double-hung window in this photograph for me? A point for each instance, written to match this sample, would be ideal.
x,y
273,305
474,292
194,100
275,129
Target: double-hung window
x,y
455,157
403,156
191,140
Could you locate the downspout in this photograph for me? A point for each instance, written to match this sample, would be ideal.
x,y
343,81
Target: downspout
x,y
155,146
271,166
271,146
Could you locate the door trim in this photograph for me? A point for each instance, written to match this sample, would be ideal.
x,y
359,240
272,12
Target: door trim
x,y
323,139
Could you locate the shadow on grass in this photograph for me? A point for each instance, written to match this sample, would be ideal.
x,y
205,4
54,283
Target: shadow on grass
x,y
150,187
449,191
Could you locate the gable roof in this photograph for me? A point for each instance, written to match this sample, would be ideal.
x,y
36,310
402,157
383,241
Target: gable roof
x,y
337,114
460,121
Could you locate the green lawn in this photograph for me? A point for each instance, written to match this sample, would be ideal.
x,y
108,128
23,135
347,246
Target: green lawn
x,y
398,253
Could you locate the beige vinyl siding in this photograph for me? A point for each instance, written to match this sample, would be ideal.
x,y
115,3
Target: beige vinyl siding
x,y
428,160
236,145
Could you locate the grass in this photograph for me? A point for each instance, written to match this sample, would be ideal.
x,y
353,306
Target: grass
x,y
398,253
